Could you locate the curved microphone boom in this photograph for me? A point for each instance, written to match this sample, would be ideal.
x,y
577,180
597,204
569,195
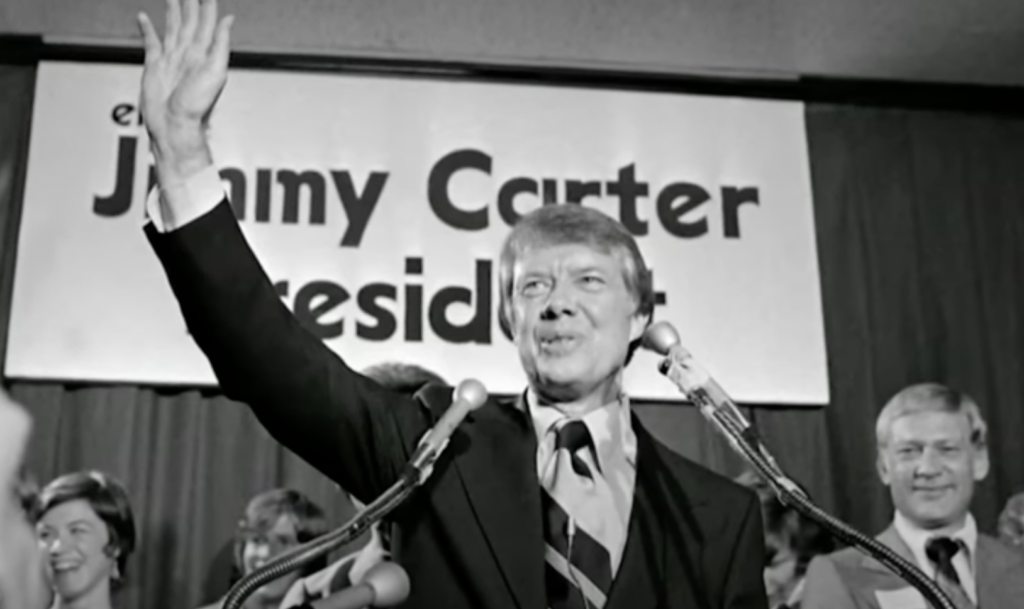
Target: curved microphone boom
x,y
716,405
468,396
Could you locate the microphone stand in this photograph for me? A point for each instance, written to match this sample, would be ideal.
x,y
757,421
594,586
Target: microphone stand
x,y
745,441
302,555
469,395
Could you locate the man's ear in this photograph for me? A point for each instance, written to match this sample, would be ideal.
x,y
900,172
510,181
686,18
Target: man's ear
x,y
883,468
981,463
638,325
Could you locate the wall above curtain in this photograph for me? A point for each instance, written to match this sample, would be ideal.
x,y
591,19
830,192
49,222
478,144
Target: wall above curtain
x,y
914,40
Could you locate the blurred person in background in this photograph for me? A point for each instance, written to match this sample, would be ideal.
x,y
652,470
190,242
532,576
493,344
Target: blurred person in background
x,y
1011,522
23,578
349,570
87,531
274,522
791,541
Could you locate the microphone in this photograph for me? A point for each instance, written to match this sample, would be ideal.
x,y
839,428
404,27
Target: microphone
x,y
468,396
384,585
697,384
715,404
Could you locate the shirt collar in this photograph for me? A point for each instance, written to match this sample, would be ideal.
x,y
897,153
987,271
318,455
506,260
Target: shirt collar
x,y
610,427
915,537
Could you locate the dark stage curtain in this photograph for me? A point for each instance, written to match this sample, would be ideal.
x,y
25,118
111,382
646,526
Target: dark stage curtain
x,y
920,228
920,221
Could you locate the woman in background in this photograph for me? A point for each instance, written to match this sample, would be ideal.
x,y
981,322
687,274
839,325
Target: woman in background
x,y
87,531
791,541
275,521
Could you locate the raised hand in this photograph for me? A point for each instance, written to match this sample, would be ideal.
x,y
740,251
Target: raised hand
x,y
184,75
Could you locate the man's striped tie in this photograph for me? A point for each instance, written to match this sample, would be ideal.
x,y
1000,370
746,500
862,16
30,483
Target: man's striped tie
x,y
941,550
583,538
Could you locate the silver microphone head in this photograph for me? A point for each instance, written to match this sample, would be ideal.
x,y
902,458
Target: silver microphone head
x,y
390,584
472,392
660,337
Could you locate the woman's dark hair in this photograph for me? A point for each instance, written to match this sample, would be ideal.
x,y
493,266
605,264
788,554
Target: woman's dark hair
x,y
108,499
263,511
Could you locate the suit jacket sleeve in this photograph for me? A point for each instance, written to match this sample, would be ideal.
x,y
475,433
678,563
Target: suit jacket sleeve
x,y
342,423
824,588
745,583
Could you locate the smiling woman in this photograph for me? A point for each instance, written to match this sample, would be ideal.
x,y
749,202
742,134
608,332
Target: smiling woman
x,y
274,522
87,530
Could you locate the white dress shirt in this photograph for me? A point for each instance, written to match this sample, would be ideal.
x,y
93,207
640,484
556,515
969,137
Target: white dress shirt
x,y
611,430
198,195
963,562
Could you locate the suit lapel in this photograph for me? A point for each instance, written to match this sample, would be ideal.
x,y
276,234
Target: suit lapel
x,y
644,554
645,578
499,474
894,542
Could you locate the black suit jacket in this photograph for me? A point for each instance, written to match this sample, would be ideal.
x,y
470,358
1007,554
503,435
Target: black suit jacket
x,y
471,538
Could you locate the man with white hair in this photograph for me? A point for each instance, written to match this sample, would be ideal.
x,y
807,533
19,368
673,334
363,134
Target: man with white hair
x,y
931,453
558,497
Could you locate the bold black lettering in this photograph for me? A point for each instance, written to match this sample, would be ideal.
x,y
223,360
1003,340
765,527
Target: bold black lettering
x,y
671,214
576,191
292,182
119,201
478,328
628,189
120,114
732,198
263,177
385,325
413,302
358,206
550,190
437,189
330,296
507,195
281,288
236,179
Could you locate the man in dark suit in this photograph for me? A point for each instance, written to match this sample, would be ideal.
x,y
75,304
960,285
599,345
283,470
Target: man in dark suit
x,y
558,498
931,453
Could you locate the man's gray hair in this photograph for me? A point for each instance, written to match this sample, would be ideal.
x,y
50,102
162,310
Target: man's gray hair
x,y
930,397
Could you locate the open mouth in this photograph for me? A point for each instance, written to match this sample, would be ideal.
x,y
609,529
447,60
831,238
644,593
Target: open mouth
x,y
64,567
557,343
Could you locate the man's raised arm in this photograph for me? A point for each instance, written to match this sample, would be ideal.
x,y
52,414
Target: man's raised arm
x,y
308,399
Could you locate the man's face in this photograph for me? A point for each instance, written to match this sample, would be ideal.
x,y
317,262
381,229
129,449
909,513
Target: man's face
x,y
573,319
930,466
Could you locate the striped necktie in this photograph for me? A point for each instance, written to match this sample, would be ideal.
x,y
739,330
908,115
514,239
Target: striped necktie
x,y
582,536
941,550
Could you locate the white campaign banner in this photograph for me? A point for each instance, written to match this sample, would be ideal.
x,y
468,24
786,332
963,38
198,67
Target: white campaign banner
x,y
378,206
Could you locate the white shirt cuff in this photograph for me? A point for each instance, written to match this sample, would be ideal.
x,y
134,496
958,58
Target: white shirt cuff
x,y
175,206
